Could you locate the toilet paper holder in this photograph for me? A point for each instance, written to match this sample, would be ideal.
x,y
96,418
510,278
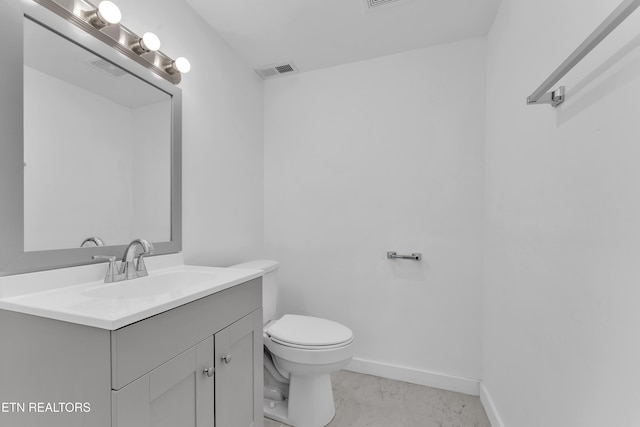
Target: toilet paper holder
x,y
414,256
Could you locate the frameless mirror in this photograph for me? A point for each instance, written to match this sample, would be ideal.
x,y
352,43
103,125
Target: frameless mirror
x,y
100,154
97,148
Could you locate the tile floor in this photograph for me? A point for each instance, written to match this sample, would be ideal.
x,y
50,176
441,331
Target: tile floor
x,y
365,400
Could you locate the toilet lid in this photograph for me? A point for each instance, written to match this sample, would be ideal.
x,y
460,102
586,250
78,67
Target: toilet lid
x,y
309,331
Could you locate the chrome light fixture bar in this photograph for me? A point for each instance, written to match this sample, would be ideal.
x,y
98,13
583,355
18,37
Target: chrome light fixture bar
x,y
103,22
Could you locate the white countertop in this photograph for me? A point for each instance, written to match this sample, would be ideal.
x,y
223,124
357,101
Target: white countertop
x,y
114,305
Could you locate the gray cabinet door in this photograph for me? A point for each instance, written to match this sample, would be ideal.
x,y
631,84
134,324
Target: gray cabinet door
x,y
239,375
177,393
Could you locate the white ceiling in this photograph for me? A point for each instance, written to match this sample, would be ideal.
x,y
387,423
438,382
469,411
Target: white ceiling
x,y
323,33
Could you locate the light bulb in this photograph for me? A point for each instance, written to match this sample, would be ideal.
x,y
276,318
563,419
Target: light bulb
x,y
109,13
150,42
182,64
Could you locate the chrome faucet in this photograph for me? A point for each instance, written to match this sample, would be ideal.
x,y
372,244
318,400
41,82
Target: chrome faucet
x,y
130,268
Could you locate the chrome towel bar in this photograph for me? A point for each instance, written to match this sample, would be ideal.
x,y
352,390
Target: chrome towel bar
x,y
414,256
556,97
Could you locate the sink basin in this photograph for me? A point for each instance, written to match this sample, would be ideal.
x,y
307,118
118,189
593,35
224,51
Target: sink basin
x,y
169,283
114,305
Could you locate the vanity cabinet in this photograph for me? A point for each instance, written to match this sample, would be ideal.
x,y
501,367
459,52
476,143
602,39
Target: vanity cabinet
x,y
181,391
199,364
176,393
237,349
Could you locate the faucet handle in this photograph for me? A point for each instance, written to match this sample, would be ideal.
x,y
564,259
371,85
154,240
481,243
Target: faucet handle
x,y
147,249
109,258
112,270
141,268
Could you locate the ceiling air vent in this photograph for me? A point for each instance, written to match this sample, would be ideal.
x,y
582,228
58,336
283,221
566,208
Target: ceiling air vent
x,y
275,70
369,5
286,68
376,3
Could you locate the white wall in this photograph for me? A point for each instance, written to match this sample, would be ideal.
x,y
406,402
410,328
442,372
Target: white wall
x,y
222,135
379,155
561,319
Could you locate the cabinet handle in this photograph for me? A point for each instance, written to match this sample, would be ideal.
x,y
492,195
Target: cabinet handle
x,y
209,372
226,359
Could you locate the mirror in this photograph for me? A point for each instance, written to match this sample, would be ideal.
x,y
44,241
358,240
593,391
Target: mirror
x,y
97,148
101,149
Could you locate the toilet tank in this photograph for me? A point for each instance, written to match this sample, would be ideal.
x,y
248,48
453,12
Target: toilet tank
x,y
269,285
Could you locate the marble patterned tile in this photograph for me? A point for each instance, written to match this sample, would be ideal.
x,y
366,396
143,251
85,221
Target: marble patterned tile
x,y
363,415
411,419
369,401
351,388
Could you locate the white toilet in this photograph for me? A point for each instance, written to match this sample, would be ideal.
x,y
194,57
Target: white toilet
x,y
300,354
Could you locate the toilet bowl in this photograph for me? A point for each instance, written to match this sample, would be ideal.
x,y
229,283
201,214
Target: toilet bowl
x,y
301,352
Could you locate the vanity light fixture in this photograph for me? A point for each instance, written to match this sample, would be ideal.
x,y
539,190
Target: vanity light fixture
x,y
180,64
149,42
103,22
107,13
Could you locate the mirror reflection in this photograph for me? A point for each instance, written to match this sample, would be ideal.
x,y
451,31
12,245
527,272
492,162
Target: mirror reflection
x,y
97,149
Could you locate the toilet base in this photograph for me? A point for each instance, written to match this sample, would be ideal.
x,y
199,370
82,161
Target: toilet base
x,y
276,410
310,402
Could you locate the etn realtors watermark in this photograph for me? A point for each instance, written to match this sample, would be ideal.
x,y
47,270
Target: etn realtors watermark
x,y
45,407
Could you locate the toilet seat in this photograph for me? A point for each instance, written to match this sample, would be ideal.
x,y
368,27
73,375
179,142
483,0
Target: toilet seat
x,y
308,333
310,347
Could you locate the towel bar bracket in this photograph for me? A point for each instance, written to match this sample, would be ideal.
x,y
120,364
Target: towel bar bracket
x,y
555,98
414,256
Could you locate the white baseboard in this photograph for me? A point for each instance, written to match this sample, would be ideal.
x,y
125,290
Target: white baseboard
x,y
415,376
490,407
